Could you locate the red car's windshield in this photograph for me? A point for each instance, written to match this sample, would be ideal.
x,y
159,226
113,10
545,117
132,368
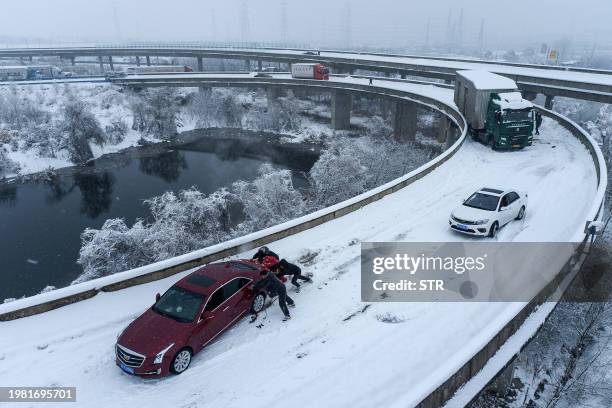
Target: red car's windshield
x,y
179,304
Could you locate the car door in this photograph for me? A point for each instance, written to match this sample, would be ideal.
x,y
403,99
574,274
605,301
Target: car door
x,y
515,204
238,297
505,212
212,320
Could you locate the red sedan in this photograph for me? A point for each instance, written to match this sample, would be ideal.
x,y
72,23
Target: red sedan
x,y
187,317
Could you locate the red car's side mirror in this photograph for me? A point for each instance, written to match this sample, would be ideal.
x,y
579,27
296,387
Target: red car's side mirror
x,y
157,297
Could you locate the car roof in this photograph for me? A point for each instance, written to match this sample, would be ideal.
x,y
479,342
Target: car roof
x,y
206,280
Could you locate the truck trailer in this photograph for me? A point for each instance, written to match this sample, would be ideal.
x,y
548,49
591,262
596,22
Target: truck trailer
x,y
494,109
310,71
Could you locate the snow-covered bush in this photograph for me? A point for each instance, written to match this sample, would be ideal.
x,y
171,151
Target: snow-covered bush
x,y
7,166
270,199
113,248
81,127
351,166
336,176
116,131
155,112
190,220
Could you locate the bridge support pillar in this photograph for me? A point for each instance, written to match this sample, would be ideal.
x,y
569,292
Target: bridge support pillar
x,y
200,64
260,65
550,100
403,75
247,65
444,127
101,61
137,61
404,121
73,61
342,70
110,62
341,105
148,61
273,93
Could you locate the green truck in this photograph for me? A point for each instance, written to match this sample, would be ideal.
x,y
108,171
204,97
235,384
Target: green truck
x,y
495,111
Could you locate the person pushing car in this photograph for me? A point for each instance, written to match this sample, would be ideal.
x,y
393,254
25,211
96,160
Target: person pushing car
x,y
285,268
271,284
262,253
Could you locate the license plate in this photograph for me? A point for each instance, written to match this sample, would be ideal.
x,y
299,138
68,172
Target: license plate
x,y
462,227
516,145
127,369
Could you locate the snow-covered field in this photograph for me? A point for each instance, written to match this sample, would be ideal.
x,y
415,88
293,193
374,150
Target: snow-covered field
x,y
322,357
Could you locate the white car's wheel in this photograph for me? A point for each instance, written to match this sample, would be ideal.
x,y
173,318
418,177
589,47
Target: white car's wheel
x,y
493,230
521,213
181,361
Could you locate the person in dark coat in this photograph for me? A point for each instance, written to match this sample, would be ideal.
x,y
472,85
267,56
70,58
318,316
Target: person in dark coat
x,y
271,284
538,122
262,253
285,268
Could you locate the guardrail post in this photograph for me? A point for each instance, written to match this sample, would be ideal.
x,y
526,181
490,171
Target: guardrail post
x,y
404,121
341,106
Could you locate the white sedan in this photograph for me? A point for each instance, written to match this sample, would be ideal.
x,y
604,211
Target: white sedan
x,y
487,210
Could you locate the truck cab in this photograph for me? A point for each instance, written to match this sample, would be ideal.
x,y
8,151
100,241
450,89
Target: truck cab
x,y
510,121
494,109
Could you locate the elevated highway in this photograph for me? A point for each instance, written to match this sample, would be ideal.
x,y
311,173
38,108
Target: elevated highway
x,y
579,83
68,334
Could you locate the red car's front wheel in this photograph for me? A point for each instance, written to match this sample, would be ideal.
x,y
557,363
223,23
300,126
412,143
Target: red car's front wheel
x,y
181,361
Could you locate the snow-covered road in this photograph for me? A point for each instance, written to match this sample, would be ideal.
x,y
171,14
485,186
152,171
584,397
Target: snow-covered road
x,y
323,356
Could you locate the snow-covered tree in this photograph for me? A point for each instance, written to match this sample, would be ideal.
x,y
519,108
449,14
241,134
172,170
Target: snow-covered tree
x,y
113,248
269,200
81,127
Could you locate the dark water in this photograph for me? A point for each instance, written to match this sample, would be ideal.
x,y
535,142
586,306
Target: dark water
x,y
41,221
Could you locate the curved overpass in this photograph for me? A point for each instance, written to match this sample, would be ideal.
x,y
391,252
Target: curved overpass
x,y
77,339
580,83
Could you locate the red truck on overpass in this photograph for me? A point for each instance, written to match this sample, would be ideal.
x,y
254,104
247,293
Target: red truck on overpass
x,y
310,71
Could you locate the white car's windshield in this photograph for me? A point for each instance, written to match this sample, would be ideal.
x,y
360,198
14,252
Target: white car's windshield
x,y
482,201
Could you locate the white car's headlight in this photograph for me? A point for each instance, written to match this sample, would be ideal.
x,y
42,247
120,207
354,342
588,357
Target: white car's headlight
x,y
480,222
160,356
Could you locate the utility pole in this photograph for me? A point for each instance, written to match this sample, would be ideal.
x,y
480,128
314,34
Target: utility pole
x,y
284,23
213,24
427,27
449,34
116,22
244,21
481,37
460,30
348,23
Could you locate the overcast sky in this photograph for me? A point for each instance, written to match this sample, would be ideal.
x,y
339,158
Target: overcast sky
x,y
393,23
